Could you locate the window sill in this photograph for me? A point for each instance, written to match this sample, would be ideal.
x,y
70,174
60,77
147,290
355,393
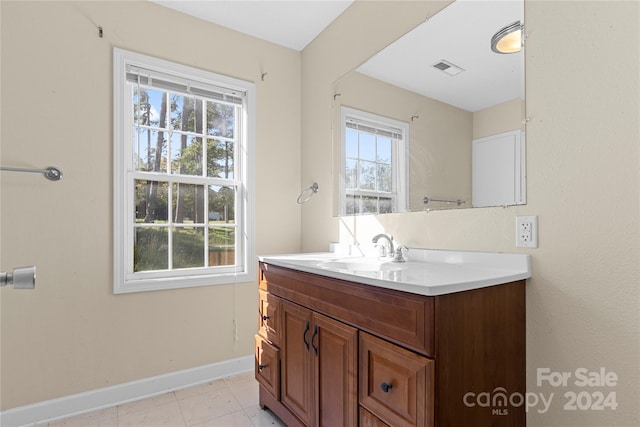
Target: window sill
x,y
181,282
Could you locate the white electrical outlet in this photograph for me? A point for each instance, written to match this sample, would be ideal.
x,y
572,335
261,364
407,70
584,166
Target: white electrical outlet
x,y
527,231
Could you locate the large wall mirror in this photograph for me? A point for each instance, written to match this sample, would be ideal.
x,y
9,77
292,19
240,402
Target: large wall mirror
x,y
455,105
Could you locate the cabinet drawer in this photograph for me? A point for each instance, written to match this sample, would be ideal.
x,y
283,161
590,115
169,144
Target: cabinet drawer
x,y
267,366
396,385
269,317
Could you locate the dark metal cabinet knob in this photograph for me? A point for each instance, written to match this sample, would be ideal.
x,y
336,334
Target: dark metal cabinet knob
x,y
386,387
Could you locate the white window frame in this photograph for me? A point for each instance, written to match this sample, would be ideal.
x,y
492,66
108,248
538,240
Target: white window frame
x,y
399,162
125,280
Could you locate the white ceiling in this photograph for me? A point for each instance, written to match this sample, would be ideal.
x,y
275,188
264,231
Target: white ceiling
x,y
291,23
459,34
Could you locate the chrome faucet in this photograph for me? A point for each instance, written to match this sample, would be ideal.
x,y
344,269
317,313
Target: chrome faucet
x,y
384,252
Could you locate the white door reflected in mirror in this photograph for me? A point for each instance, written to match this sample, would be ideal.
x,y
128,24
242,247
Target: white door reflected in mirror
x,y
498,170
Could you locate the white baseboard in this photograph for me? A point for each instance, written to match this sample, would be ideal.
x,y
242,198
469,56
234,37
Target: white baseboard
x,y
107,397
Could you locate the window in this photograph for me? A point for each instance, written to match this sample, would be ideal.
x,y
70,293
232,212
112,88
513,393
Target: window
x,y
183,174
373,164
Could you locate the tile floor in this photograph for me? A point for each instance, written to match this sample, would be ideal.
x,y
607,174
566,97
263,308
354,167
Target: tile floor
x,y
229,402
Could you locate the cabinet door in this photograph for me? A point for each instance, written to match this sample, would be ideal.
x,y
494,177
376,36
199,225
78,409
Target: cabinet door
x,y
297,361
269,317
396,384
335,345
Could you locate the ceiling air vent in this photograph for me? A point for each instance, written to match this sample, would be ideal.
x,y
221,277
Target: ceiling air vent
x,y
448,68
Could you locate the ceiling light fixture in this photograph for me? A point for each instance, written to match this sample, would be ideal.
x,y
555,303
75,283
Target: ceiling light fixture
x,y
508,39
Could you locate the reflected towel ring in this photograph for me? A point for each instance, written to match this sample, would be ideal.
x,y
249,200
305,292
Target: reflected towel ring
x,y
307,193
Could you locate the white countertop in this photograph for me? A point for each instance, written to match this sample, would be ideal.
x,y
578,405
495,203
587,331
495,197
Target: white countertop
x,y
426,272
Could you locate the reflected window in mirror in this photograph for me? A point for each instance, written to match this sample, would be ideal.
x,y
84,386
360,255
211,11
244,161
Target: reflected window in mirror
x,y
373,163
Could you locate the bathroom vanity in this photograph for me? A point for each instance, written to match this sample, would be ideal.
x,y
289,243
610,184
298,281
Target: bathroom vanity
x,y
436,341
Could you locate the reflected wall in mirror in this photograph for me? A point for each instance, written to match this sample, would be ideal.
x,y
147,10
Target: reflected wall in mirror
x,y
443,81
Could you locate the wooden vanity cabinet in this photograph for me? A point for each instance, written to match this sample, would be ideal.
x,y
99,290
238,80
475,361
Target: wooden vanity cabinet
x,y
338,353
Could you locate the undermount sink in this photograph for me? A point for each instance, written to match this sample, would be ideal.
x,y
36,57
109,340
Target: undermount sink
x,y
362,264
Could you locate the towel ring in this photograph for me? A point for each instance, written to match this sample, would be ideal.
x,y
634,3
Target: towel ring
x,y
307,193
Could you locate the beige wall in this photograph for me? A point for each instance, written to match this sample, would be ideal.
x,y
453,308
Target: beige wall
x,y
72,334
499,118
583,184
